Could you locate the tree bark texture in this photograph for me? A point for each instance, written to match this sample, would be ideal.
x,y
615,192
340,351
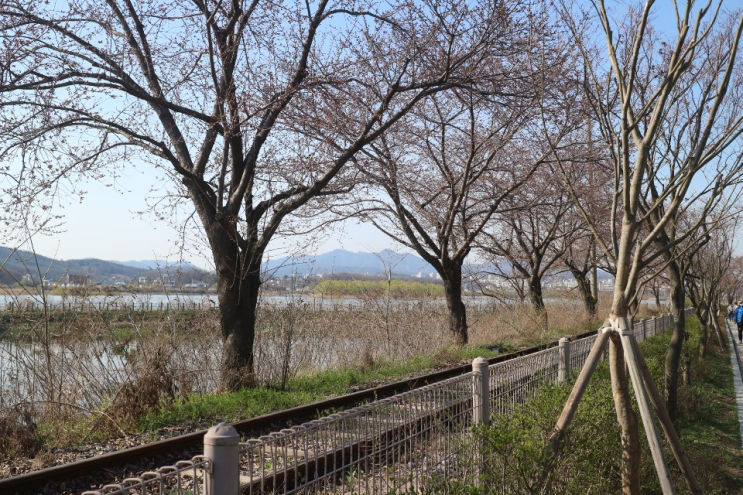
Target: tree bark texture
x,y
238,285
585,287
452,276
627,418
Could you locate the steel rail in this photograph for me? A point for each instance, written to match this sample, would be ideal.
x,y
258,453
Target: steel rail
x,y
279,419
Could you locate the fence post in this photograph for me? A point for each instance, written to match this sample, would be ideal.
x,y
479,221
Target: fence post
x,y
563,364
481,391
222,449
644,330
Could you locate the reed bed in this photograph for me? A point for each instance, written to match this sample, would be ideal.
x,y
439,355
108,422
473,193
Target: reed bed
x,y
105,369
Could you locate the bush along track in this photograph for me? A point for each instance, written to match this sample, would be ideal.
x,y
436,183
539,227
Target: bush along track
x,y
589,459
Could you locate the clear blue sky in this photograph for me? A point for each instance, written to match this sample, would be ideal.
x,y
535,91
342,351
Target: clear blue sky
x,y
105,224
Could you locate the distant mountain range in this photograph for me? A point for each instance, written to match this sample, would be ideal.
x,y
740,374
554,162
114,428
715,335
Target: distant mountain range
x,y
16,266
159,265
342,261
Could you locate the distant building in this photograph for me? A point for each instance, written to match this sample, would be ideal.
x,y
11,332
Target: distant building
x,y
77,279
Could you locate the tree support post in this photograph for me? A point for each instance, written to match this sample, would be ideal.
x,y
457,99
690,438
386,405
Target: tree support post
x,y
665,420
651,432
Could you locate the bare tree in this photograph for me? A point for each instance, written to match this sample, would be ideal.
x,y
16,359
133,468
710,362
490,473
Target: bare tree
x,y
581,261
445,174
252,109
528,236
590,177
642,86
706,271
731,285
677,243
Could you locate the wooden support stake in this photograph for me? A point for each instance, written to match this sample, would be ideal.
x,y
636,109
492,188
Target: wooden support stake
x,y
550,453
579,389
651,432
665,421
571,405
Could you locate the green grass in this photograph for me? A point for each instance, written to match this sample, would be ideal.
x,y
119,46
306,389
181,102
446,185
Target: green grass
x,y
590,456
208,409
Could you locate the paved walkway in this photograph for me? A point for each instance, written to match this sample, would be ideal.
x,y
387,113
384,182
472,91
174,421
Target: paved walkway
x,y
736,353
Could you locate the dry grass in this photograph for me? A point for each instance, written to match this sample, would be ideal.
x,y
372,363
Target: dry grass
x,y
106,369
19,435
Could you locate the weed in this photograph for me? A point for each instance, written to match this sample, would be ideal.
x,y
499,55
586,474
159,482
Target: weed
x,y
19,435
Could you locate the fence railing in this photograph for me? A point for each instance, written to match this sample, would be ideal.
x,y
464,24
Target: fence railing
x,y
185,477
413,442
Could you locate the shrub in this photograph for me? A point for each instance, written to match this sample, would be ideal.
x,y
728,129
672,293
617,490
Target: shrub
x,y
19,434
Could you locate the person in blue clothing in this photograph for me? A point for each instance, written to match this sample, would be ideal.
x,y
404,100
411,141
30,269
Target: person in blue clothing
x,y
739,320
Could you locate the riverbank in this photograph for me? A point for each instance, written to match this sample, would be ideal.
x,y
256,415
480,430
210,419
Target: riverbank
x,y
63,441
707,419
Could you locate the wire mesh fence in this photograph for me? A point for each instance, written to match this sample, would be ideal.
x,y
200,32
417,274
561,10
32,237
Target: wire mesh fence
x,y
407,443
415,442
185,477
579,350
513,382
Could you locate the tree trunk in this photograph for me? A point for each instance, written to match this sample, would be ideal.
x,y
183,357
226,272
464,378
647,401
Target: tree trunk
x,y
238,302
703,314
627,418
452,276
537,299
673,353
238,282
585,287
686,369
535,292
703,340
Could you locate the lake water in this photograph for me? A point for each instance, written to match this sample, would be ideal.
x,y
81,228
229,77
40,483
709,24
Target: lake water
x,y
155,302
113,301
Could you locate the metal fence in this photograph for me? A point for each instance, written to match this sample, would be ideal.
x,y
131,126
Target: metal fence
x,y
185,477
414,442
401,444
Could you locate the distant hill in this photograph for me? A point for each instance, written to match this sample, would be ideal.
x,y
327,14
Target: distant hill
x,y
183,266
16,265
342,261
21,263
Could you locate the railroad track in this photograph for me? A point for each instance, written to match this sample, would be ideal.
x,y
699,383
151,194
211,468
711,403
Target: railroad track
x,y
251,427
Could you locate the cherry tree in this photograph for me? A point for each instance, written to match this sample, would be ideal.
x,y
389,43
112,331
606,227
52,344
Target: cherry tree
x,y
250,110
645,85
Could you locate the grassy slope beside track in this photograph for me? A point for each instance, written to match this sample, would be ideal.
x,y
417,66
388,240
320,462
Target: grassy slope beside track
x,y
589,459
